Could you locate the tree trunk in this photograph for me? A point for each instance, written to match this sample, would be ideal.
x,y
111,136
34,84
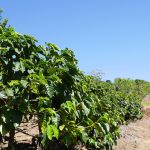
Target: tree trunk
x,y
11,141
40,133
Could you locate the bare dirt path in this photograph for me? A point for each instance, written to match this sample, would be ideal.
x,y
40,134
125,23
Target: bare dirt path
x,y
136,135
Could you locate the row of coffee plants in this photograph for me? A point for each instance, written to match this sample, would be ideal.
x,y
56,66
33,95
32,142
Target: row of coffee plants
x,y
71,107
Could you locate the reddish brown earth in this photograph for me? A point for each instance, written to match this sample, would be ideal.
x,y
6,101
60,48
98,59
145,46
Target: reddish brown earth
x,y
136,135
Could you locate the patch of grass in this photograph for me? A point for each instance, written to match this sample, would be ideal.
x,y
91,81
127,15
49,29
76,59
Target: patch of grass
x,y
146,103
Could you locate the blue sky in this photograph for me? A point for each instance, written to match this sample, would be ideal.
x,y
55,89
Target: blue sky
x,y
112,36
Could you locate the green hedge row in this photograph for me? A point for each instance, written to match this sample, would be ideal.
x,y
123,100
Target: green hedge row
x,y
71,107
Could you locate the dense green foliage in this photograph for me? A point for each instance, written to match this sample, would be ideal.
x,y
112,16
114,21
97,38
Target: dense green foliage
x,y
70,106
138,87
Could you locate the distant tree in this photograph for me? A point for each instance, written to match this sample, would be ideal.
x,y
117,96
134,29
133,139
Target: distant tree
x,y
108,81
97,74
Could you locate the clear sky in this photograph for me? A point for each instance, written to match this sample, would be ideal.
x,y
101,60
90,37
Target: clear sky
x,y
112,36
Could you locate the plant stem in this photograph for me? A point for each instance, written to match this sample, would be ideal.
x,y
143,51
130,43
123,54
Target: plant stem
x,y
11,140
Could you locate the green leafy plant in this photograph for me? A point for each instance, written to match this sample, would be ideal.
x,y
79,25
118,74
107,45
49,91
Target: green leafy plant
x,y
70,107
